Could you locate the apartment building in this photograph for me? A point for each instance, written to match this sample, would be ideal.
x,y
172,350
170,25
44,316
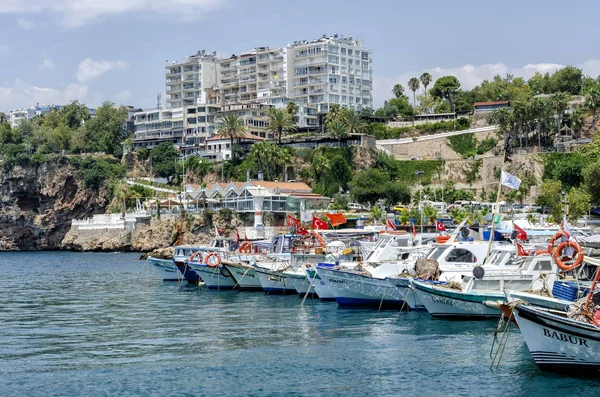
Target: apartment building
x,y
16,116
154,126
255,116
255,76
330,70
191,80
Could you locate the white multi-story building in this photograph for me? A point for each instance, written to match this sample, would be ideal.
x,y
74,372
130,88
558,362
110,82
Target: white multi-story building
x,y
154,126
255,76
16,116
191,80
330,70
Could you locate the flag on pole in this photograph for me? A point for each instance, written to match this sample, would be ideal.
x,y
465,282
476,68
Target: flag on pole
x,y
390,224
439,226
319,224
217,232
414,229
237,236
510,181
245,237
521,234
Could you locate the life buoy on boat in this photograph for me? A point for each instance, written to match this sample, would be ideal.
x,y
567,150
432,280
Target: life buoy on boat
x,y
214,263
577,256
442,239
246,247
194,255
560,234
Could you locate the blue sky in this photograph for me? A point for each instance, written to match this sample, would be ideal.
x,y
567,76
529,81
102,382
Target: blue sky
x,y
54,51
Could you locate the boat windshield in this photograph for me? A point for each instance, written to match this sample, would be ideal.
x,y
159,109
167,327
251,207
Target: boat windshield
x,y
436,253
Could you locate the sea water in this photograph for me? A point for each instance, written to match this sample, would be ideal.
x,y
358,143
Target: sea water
x,y
87,324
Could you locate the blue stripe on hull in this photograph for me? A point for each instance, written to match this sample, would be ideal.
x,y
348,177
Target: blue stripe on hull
x,y
190,275
222,288
368,302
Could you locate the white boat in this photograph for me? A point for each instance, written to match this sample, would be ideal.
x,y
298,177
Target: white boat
x,y
217,277
482,291
372,286
244,275
302,283
165,268
557,343
320,287
271,275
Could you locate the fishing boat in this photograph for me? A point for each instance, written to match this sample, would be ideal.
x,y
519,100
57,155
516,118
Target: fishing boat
x,y
244,275
479,293
208,266
558,343
165,268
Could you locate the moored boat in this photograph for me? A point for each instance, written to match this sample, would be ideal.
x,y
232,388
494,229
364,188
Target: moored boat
x,y
165,268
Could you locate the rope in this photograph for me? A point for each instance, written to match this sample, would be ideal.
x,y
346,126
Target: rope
x,y
311,285
497,357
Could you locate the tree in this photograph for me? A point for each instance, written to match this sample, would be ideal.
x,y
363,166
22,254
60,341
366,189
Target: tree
x,y
403,106
396,192
143,154
333,114
231,127
398,90
425,80
445,87
413,85
73,115
591,177
551,197
576,122
163,158
291,108
368,186
579,203
122,194
338,130
567,80
279,122
321,165
592,102
105,131
366,113
354,124
559,103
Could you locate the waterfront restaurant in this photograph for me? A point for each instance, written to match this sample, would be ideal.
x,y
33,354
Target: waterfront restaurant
x,y
255,197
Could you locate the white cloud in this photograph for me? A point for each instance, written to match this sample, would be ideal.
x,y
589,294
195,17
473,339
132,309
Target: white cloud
x,y
122,96
25,24
470,75
47,64
21,94
79,12
90,69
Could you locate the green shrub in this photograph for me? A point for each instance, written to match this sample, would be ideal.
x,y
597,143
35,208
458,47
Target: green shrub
x,y
486,145
464,144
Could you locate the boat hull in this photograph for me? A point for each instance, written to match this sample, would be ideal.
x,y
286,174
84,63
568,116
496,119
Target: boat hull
x,y
320,287
446,303
274,282
352,289
559,344
245,277
165,269
217,278
187,272
301,283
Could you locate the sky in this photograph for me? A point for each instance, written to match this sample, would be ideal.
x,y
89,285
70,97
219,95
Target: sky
x,y
56,51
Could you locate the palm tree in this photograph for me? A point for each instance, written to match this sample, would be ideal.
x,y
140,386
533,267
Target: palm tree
x,y
413,84
592,102
337,129
280,121
559,103
520,115
577,122
398,90
231,127
291,109
425,80
354,124
122,194
321,165
333,114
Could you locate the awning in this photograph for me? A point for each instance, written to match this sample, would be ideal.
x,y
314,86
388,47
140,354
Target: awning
x,y
336,219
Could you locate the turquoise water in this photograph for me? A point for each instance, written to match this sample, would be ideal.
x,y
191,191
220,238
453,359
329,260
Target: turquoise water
x,y
87,324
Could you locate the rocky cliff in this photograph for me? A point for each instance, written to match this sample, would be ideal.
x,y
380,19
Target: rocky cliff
x,y
38,202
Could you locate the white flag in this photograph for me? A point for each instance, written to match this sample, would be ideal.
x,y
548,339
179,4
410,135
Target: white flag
x,y
510,181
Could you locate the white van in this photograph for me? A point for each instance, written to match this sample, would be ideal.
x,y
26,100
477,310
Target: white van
x,y
355,207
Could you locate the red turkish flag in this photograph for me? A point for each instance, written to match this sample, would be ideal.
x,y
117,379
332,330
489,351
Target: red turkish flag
x,y
439,226
521,234
390,224
318,224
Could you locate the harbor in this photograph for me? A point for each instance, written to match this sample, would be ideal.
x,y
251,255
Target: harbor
x,y
91,323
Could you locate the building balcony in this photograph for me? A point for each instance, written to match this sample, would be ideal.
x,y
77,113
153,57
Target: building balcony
x,y
174,81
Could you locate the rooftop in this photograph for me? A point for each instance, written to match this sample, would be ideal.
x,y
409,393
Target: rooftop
x,y
490,103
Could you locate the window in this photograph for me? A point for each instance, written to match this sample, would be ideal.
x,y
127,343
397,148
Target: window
x,y
201,109
301,71
343,51
461,255
202,119
333,80
349,52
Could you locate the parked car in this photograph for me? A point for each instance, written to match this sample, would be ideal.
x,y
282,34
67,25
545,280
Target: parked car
x,y
356,207
399,208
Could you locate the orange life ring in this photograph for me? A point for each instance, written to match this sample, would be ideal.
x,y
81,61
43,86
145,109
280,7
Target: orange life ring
x,y
213,264
194,255
442,239
577,256
245,247
559,234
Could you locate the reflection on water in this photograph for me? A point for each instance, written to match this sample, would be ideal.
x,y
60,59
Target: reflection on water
x,y
88,324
